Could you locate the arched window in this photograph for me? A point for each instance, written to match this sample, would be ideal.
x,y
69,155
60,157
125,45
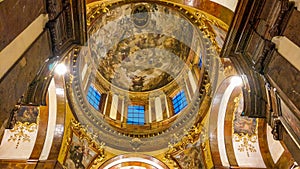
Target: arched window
x,y
136,115
179,102
200,61
93,97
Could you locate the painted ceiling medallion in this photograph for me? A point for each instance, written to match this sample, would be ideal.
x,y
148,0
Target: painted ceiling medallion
x,y
140,15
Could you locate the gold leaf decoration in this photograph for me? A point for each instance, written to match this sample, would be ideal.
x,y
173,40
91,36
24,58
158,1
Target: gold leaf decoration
x,y
19,132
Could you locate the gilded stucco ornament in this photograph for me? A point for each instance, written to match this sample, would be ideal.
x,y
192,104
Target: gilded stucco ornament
x,y
245,136
196,134
25,121
20,131
88,138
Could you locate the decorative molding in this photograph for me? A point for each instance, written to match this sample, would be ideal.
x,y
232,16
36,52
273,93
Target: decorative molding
x,y
280,23
196,133
277,130
67,24
84,135
37,90
264,57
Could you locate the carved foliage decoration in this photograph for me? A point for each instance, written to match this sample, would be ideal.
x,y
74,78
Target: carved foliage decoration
x,y
53,8
277,130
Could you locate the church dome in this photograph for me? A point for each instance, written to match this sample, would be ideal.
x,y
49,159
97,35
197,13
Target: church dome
x,y
138,77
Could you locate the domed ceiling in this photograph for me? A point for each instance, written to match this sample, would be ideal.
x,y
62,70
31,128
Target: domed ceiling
x,y
133,47
144,74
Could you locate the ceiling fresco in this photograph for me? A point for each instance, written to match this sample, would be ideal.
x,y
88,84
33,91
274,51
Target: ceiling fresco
x,y
141,63
132,46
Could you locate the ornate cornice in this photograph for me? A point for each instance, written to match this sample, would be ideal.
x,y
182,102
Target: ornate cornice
x,y
66,24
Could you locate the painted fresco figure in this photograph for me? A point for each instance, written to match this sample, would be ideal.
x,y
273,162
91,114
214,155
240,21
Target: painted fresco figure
x,y
77,156
137,82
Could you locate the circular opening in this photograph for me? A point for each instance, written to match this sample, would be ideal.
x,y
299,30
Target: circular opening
x,y
134,161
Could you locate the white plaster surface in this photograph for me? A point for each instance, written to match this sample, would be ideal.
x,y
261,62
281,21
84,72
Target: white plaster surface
x,y
158,109
8,149
230,4
288,50
275,147
51,120
9,55
220,129
250,159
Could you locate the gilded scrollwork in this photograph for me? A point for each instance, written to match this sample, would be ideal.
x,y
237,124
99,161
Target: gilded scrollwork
x,y
20,132
193,139
100,9
83,151
246,143
25,120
